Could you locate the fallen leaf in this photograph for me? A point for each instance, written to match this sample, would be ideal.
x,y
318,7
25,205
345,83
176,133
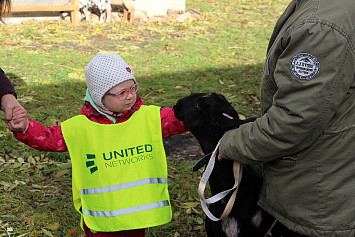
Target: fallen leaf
x,y
46,232
199,220
16,165
31,160
61,173
11,42
3,183
38,186
21,160
189,204
53,226
25,166
11,187
72,231
25,99
9,216
195,210
19,182
241,117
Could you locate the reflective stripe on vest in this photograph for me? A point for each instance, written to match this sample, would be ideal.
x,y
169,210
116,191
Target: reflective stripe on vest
x,y
122,186
128,210
119,171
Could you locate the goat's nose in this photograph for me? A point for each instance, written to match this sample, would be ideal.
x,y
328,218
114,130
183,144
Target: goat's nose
x,y
175,107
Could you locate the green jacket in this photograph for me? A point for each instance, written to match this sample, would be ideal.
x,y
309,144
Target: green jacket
x,y
305,138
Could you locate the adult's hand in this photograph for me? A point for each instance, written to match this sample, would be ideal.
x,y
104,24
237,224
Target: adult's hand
x,y
8,104
18,114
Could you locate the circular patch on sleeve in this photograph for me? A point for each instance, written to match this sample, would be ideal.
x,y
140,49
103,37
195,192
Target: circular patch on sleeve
x,y
304,66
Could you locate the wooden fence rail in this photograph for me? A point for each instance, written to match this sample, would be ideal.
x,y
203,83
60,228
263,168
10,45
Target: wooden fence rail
x,y
73,8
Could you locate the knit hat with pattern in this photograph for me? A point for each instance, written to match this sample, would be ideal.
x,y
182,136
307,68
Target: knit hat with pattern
x,y
103,72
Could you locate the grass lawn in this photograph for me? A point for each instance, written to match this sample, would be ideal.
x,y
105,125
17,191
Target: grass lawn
x,y
222,51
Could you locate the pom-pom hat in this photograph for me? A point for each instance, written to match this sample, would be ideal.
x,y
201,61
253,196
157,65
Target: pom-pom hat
x,y
103,72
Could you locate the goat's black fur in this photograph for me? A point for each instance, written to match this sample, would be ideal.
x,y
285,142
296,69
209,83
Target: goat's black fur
x,y
203,116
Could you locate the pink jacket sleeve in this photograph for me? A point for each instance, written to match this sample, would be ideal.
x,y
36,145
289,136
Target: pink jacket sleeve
x,y
43,138
51,138
170,124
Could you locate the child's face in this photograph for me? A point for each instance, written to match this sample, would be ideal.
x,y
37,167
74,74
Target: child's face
x,y
114,103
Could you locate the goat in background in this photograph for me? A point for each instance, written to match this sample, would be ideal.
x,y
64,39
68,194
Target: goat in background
x,y
128,8
101,7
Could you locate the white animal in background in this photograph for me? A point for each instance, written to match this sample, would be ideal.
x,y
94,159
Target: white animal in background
x,y
128,7
101,7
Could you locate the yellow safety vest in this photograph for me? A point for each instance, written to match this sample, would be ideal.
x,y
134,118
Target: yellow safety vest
x,y
119,171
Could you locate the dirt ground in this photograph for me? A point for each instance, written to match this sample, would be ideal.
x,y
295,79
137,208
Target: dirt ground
x,y
183,146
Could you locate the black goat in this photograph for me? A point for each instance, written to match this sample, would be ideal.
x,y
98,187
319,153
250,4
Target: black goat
x,y
208,117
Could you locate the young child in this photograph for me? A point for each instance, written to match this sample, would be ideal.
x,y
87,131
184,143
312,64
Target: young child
x,y
119,170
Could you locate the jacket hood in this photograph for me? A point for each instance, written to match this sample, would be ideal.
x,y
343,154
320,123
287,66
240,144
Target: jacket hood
x,y
90,109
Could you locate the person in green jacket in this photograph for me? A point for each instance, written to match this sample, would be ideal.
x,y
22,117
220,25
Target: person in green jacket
x,y
305,137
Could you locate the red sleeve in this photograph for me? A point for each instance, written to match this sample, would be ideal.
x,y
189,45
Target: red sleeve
x,y
170,124
43,138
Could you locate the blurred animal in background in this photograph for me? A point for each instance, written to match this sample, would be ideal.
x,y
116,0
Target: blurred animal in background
x,y
100,7
128,8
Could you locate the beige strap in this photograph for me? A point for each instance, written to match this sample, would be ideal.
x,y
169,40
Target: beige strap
x,y
237,171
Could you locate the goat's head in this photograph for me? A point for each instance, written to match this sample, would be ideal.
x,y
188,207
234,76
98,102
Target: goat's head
x,y
207,115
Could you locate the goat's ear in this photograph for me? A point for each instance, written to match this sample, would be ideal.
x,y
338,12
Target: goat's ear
x,y
227,122
203,106
228,125
218,111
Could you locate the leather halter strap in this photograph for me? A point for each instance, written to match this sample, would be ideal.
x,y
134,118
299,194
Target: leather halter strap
x,y
237,172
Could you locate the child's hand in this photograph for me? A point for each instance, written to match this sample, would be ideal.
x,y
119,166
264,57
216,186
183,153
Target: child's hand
x,y
18,115
19,121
